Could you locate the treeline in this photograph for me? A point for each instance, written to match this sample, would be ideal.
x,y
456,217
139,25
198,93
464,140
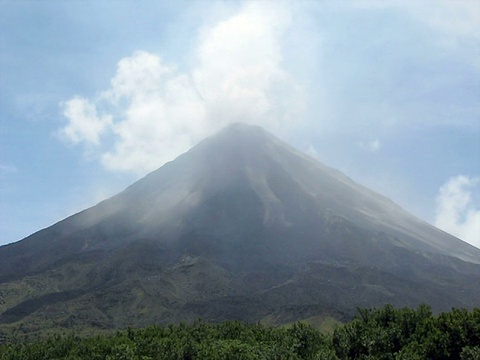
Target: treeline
x,y
386,333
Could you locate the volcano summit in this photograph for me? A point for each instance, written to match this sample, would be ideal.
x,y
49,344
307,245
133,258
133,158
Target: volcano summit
x,y
244,227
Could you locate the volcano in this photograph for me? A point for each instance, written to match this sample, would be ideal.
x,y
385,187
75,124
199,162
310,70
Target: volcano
x,y
241,227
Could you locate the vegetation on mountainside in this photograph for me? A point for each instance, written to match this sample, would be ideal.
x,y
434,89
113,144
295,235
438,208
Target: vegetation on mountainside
x,y
385,333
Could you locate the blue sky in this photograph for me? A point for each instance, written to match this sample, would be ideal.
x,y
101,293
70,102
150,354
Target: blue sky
x,y
95,94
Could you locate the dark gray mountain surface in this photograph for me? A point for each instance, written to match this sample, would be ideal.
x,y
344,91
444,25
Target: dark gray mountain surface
x,y
242,226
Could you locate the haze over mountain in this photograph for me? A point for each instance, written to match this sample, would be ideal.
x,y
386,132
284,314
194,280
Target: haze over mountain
x,y
242,226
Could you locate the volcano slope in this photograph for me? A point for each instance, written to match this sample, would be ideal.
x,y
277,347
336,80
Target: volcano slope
x,y
242,226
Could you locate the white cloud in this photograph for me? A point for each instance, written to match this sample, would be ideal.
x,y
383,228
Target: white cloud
x,y
138,76
457,213
240,73
85,125
156,109
154,112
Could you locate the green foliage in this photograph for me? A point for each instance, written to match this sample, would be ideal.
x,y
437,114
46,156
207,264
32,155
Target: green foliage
x,y
390,333
386,333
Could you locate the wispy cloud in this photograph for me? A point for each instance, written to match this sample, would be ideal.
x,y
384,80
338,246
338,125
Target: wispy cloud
x,y
457,18
7,169
457,212
152,112
372,146
454,18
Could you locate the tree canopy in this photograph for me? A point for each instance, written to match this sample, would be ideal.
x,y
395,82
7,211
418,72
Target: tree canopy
x,y
386,333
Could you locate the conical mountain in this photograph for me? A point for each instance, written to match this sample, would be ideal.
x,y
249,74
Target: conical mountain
x,y
241,226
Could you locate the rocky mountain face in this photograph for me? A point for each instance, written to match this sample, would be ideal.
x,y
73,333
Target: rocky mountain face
x,y
242,226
